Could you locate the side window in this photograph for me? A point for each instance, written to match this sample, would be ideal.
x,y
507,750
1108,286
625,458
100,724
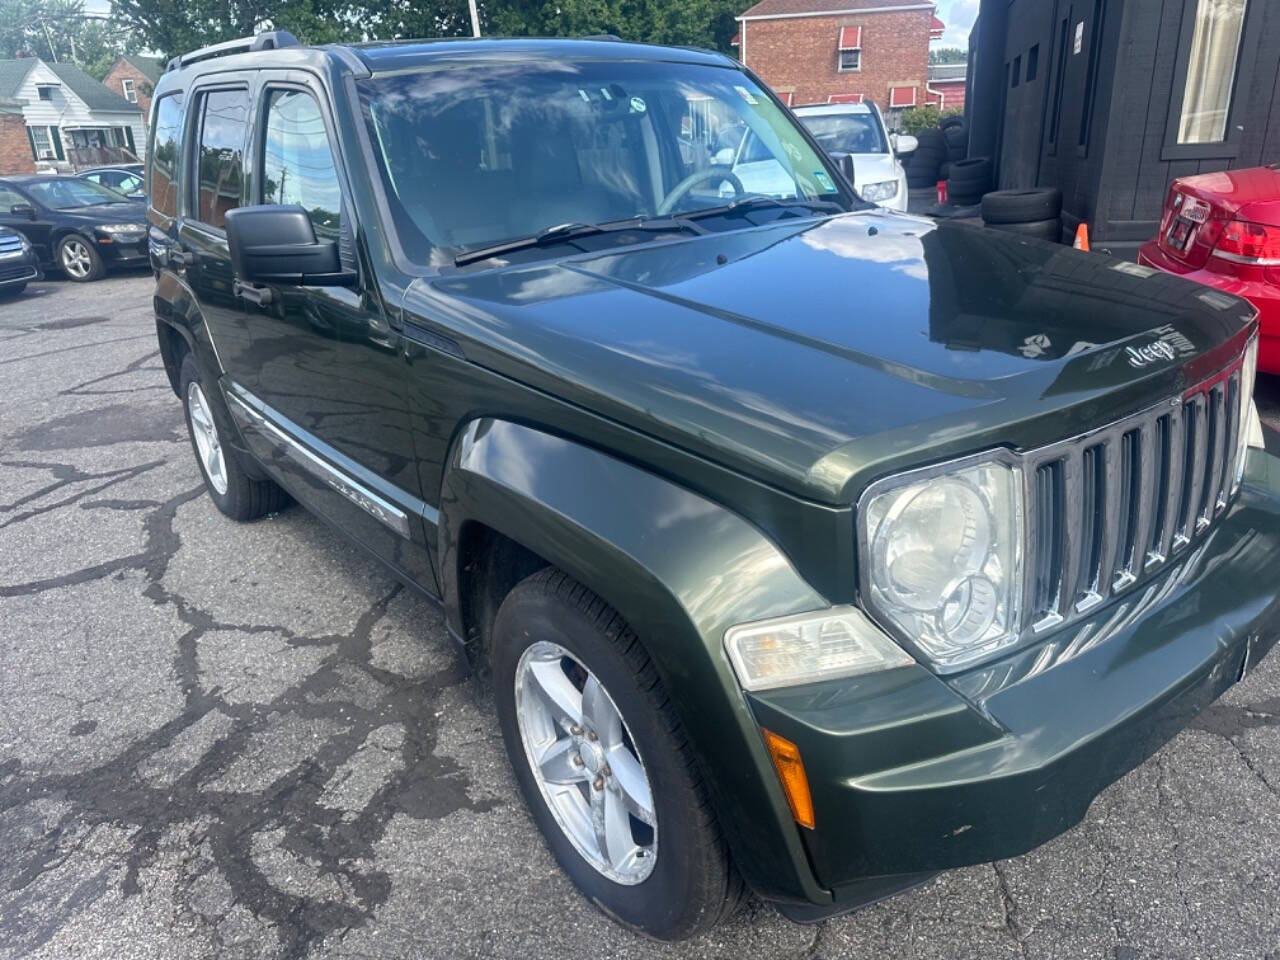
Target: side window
x,y
129,183
8,198
297,163
166,146
220,160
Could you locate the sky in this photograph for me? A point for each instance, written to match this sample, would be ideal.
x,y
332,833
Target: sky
x,y
958,15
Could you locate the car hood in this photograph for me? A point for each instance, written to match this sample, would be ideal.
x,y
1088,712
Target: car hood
x,y
815,354
107,213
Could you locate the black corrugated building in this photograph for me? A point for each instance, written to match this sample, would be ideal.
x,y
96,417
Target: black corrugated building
x,y
1110,100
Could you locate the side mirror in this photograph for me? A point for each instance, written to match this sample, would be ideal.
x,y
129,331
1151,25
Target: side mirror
x,y
906,143
272,244
23,210
724,156
846,167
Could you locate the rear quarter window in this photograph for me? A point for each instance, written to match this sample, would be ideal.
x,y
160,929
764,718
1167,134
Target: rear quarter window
x,y
163,157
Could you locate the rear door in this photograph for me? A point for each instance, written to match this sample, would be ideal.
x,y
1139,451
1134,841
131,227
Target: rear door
x,y
328,373
214,182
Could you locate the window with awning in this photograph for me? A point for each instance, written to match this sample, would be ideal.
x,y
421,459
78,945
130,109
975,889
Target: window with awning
x,y
849,47
846,98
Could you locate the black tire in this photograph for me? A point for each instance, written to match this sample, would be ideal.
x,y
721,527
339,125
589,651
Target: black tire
x,y
944,170
953,123
692,886
1050,230
919,183
973,168
931,138
1022,206
79,259
245,497
963,198
13,291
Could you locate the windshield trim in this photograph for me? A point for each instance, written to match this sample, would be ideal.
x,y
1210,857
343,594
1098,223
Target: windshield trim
x,y
846,194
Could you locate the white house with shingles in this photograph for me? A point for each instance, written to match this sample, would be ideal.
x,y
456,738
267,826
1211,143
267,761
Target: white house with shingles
x,y
72,120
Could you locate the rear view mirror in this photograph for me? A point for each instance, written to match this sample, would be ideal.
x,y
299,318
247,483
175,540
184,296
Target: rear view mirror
x,y
272,244
23,210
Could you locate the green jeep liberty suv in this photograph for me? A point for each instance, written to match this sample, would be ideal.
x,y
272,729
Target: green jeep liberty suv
x,y
808,547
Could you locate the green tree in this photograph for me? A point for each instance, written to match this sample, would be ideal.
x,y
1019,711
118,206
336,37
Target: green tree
x,y
59,30
949,55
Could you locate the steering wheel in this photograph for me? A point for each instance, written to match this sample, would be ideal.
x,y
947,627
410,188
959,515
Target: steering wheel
x,y
714,172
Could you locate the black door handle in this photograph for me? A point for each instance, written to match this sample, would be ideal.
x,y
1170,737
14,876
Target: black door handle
x,y
252,292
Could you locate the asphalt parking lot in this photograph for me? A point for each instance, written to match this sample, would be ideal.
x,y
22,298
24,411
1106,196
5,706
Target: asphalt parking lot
x,y
222,740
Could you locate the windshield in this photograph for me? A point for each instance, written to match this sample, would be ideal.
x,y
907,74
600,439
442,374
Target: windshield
x,y
847,132
63,194
475,154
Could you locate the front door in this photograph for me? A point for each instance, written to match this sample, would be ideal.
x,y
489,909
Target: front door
x,y
327,367
36,229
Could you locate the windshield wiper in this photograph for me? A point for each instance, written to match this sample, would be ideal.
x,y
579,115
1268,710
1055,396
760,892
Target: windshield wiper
x,y
567,232
746,203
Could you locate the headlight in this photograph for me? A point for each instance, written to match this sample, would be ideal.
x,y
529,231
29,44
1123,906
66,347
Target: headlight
x,y
876,192
1251,426
942,557
839,642
26,244
128,229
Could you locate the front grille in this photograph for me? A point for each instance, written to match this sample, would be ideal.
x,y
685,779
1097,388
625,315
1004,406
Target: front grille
x,y
10,243
16,271
1107,507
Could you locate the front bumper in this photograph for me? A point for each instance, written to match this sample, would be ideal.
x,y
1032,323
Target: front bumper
x,y
130,252
911,774
18,270
1264,296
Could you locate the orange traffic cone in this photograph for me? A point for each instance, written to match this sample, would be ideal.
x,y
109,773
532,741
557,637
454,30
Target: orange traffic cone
x,y
1082,237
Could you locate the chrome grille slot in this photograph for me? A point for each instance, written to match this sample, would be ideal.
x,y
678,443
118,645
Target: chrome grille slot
x,y
1113,504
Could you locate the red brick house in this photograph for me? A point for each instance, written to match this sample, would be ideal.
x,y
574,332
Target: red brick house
x,y
134,78
841,51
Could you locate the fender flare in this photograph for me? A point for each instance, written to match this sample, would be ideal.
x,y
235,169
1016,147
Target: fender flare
x,y
177,309
680,569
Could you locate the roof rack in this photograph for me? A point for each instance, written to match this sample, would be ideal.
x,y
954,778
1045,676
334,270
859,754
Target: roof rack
x,y
271,40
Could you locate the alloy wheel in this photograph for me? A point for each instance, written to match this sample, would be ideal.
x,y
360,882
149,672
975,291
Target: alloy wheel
x,y
586,763
205,432
76,258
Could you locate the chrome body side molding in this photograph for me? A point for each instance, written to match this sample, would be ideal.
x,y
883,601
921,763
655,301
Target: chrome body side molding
x,y
250,417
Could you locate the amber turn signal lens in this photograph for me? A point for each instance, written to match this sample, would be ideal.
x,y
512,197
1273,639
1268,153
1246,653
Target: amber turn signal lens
x,y
790,768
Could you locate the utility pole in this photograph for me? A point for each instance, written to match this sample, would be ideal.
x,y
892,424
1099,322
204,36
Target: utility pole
x,y
53,54
475,19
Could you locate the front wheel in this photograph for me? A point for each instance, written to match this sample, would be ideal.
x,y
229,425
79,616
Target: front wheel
x,y
233,491
602,762
79,260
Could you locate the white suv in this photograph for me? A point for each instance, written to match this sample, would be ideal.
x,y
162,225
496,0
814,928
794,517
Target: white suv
x,y
858,129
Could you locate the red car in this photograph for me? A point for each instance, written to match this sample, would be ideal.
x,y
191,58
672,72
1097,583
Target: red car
x,y
1223,230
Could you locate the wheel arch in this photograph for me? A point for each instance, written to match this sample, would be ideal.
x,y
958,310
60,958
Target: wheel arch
x,y
677,567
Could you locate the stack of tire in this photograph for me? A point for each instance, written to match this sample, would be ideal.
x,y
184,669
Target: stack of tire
x,y
1031,213
923,165
968,180
955,134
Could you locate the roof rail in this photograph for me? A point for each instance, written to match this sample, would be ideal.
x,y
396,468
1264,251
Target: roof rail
x,y
602,36
271,40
